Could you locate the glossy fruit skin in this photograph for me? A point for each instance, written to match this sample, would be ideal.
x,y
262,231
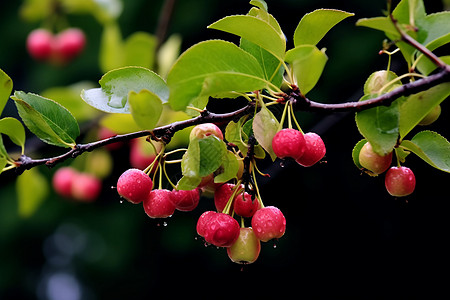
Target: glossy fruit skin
x,y
373,162
222,195
202,222
159,204
314,150
134,185
68,44
246,249
288,142
268,223
40,44
62,181
221,230
86,187
400,181
186,200
204,130
244,206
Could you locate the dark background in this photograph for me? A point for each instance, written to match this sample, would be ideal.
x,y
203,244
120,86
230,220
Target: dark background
x,y
346,238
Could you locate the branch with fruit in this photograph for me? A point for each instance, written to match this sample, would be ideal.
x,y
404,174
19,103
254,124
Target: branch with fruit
x,y
223,149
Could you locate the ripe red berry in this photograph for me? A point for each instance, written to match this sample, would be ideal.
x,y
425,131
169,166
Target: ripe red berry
x,y
246,249
186,200
204,130
86,187
244,206
374,163
62,181
314,150
68,44
268,223
288,142
202,222
222,194
40,44
134,185
400,181
159,204
221,230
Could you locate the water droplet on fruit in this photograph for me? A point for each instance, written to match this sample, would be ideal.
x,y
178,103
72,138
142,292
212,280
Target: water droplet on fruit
x,y
274,245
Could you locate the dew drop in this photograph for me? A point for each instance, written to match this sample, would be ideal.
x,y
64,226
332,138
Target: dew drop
x,y
282,164
164,224
121,200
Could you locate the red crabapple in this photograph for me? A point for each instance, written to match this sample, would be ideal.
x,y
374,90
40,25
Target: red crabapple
x,y
134,185
204,130
222,194
244,206
374,163
40,44
203,221
268,223
400,181
68,44
288,142
246,249
221,230
314,150
86,187
63,179
159,204
186,200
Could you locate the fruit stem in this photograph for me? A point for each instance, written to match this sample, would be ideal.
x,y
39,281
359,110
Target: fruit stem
x,y
237,187
294,118
256,188
283,116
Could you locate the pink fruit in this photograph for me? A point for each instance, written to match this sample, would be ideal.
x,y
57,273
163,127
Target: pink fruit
x,y
63,179
134,185
222,194
314,151
400,181
268,223
221,230
205,130
244,206
246,249
68,44
159,204
86,187
40,44
186,200
288,143
202,222
374,163
141,154
104,133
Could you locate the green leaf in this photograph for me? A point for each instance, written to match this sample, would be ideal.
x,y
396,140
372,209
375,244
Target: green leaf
x,y
146,108
115,85
313,26
188,183
273,69
203,157
3,162
259,3
433,148
6,86
417,106
256,31
32,189
14,129
229,168
265,126
168,54
307,64
379,23
47,119
212,68
434,30
140,50
380,126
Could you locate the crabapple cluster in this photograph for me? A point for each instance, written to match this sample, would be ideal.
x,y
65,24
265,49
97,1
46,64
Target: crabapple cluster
x,y
399,181
70,183
306,149
58,49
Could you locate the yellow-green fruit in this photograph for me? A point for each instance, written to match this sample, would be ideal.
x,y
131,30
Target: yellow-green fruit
x,y
432,116
246,248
